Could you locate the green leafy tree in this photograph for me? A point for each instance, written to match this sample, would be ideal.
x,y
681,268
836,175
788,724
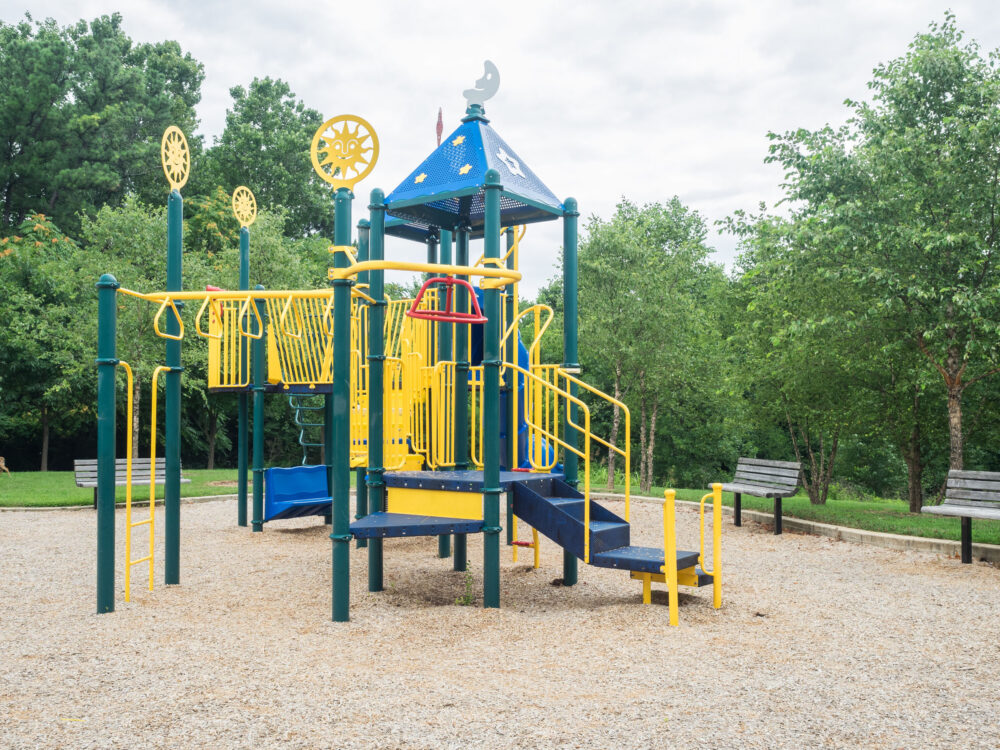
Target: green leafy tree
x,y
907,194
265,146
82,111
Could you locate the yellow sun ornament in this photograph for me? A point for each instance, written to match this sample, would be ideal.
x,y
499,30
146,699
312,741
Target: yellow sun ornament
x,y
175,157
344,150
244,206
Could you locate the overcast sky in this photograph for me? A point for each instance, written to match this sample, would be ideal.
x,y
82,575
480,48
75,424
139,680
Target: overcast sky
x,y
601,99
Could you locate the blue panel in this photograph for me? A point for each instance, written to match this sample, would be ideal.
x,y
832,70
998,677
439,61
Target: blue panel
x,y
640,559
447,187
405,524
295,492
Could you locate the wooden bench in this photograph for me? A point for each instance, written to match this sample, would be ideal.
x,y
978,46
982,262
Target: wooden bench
x,y
762,478
85,472
968,495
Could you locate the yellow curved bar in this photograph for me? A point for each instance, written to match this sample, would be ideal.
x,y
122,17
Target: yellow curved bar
x,y
283,316
168,302
358,293
494,278
197,321
248,303
347,250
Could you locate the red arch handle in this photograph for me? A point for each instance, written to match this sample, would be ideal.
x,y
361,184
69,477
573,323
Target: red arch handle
x,y
448,315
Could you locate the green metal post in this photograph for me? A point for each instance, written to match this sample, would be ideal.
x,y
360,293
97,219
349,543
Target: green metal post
x,y
341,398
244,400
570,358
360,491
376,363
510,356
259,347
107,327
461,383
491,403
444,355
172,409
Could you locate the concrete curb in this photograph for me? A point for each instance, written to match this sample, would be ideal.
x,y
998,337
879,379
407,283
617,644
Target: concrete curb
x,y
984,552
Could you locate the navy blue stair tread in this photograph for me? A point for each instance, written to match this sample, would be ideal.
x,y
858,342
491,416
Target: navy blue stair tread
x,y
376,525
461,481
640,559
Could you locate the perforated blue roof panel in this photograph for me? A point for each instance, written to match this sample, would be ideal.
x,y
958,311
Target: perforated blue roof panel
x,y
447,188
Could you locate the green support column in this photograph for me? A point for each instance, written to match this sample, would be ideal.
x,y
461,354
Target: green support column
x,y
510,356
491,403
570,358
461,383
444,355
172,409
360,491
107,328
259,347
376,363
244,400
341,399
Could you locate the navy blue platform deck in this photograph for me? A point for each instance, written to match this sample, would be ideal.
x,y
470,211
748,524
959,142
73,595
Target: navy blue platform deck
x,y
640,559
376,525
462,481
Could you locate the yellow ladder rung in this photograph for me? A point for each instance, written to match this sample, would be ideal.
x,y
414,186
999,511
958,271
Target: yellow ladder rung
x,y
139,523
147,558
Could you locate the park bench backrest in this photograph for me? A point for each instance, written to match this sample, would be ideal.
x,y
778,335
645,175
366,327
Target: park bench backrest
x,y
780,475
85,470
973,489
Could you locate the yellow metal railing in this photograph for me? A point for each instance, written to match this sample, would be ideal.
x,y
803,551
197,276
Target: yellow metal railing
x,y
669,556
716,571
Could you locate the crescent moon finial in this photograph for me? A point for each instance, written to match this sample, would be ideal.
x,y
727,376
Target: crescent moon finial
x,y
486,87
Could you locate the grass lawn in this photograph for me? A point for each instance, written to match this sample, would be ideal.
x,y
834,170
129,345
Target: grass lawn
x,y
889,516
46,488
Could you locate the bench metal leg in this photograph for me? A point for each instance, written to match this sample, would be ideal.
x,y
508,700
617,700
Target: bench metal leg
x,y
95,498
966,540
777,515
737,509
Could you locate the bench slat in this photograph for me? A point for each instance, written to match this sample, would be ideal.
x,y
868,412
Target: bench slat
x,y
757,490
971,495
974,484
772,464
754,478
988,514
962,474
774,477
964,503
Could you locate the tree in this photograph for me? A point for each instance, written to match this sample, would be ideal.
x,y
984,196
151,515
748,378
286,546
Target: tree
x,y
265,146
82,111
908,193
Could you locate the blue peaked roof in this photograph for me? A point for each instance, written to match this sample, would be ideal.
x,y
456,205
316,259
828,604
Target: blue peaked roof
x,y
447,188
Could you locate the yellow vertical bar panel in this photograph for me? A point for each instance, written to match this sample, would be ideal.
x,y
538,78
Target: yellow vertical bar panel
x,y
716,545
670,553
129,385
214,348
537,549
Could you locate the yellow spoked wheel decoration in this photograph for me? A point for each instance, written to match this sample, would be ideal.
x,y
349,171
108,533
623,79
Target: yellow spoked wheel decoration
x,y
244,206
344,150
175,157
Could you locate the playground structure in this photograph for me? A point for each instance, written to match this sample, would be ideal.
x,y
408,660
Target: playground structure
x,y
441,403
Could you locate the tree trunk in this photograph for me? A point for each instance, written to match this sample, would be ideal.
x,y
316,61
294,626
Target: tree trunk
x,y
642,427
45,439
914,460
955,425
213,430
135,418
650,443
615,423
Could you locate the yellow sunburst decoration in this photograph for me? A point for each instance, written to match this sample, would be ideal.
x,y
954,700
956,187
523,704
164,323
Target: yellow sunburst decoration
x,y
344,150
175,157
244,206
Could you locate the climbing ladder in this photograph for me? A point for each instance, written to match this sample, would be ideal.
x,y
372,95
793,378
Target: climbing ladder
x,y
306,406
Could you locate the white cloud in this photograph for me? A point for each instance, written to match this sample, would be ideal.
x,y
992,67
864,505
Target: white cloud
x,y
642,99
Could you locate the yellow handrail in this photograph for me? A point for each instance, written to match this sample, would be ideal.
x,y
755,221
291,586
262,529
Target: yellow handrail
x,y
626,452
285,309
197,321
249,302
493,278
716,571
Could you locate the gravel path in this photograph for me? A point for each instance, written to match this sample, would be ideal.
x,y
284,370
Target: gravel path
x,y
819,644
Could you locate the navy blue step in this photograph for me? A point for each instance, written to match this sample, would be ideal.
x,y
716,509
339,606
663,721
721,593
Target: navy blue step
x,y
559,516
376,525
640,559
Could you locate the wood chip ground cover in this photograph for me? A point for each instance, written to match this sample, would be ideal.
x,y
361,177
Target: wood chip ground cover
x,y
818,643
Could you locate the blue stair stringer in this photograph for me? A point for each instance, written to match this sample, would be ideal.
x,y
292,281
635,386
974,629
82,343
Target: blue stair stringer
x,y
555,509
